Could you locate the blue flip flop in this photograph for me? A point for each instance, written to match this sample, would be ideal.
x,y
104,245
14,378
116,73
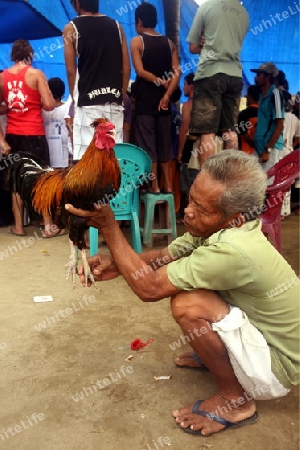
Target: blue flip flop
x,y
219,419
196,358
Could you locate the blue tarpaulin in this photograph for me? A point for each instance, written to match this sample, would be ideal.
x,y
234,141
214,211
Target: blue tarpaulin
x,y
273,34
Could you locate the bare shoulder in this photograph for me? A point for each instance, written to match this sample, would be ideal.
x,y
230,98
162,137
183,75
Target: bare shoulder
x,y
69,32
136,41
35,72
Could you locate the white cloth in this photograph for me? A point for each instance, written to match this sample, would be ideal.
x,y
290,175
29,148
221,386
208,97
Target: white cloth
x,y
57,135
274,156
249,356
291,129
85,115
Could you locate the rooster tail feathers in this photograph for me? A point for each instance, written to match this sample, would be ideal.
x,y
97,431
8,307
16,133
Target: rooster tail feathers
x,y
21,176
47,193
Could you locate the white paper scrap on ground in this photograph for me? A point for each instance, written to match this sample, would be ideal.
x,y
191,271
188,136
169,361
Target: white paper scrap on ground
x,y
43,298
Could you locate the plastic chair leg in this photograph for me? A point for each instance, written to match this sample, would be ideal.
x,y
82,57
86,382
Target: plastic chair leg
x,y
136,242
148,224
93,241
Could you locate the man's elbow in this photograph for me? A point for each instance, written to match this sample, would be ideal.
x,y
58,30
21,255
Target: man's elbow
x,y
48,106
147,294
139,72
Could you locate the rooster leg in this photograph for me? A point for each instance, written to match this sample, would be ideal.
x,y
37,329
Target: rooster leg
x,y
72,264
86,268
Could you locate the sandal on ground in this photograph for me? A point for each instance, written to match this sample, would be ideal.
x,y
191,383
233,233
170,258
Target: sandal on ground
x,y
219,419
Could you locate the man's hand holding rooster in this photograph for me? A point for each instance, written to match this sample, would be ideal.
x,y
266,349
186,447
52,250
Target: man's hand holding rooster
x,y
102,266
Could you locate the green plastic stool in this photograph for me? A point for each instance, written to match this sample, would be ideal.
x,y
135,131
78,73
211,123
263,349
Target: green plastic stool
x,y
166,212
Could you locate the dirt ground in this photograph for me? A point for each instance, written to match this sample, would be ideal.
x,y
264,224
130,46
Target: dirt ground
x,y
64,381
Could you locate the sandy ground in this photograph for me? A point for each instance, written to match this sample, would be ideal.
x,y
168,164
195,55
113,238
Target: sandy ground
x,y
48,362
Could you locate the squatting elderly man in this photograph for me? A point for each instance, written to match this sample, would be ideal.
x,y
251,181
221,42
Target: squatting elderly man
x,y
231,292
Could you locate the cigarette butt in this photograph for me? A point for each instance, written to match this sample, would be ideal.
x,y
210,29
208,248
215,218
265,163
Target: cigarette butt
x,y
163,377
129,358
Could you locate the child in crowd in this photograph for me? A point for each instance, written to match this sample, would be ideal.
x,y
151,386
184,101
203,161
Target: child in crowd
x,y
56,126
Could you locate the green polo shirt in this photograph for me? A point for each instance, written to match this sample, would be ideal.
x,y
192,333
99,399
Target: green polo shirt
x,y
247,272
226,23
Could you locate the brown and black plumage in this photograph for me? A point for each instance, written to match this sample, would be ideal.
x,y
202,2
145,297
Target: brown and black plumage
x,y
95,178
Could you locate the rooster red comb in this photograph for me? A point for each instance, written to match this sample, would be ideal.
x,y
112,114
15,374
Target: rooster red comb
x,y
104,133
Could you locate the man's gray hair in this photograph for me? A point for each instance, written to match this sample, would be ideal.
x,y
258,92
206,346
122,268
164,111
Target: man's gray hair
x,y
244,179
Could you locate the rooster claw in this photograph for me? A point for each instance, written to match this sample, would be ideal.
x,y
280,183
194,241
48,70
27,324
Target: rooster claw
x,y
90,277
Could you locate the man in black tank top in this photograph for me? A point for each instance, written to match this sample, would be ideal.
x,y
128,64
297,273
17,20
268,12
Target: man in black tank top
x,y
100,79
156,63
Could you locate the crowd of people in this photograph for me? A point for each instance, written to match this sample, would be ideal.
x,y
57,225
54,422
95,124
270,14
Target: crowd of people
x,y
219,275
145,111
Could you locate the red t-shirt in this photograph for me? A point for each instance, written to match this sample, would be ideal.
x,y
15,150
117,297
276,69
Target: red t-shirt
x,y
24,109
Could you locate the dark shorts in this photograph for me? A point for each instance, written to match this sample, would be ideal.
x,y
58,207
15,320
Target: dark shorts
x,y
153,134
37,146
215,104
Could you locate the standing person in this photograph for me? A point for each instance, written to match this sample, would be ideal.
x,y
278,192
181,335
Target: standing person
x,y
99,82
247,121
218,79
154,57
231,292
291,140
25,92
270,121
185,146
56,126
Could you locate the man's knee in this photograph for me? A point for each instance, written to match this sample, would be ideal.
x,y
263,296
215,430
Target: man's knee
x,y
198,304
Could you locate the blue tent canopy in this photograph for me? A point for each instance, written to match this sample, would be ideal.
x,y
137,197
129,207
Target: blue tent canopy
x,y
273,34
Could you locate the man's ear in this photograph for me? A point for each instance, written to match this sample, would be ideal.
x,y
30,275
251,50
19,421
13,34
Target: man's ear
x,y
139,24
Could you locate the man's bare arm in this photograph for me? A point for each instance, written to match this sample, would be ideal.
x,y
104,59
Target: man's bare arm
x,y
70,56
3,144
276,133
125,62
184,127
136,49
47,99
141,272
148,284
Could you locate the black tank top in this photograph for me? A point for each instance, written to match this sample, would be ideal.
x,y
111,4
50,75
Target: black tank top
x,y
157,59
99,60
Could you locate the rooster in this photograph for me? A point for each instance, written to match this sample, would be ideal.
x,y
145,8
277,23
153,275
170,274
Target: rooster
x,y
94,179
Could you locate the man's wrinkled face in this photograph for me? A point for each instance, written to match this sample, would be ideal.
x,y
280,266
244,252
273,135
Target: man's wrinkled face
x,y
202,216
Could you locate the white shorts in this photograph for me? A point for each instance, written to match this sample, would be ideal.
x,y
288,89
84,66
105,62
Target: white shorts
x,y
82,130
249,356
275,156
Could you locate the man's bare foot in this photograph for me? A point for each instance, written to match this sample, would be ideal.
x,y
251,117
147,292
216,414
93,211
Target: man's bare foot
x,y
234,410
59,232
189,360
17,231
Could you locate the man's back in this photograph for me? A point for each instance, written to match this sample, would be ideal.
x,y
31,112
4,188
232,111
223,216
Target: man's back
x,y
99,60
157,59
225,25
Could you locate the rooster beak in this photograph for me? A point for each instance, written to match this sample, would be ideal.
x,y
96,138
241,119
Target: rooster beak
x,y
112,133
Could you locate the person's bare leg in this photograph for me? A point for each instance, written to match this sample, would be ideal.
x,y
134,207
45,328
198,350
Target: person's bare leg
x,y
195,311
154,182
50,228
18,212
207,146
230,139
166,184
